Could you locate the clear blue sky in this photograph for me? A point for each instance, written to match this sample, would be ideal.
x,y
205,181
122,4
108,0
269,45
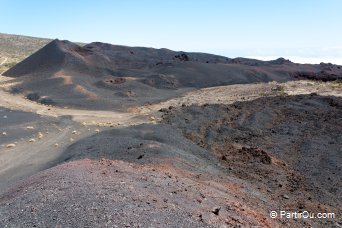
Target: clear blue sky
x,y
307,28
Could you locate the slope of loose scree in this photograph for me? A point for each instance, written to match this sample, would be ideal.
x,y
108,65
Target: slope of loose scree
x,y
289,147
149,175
142,144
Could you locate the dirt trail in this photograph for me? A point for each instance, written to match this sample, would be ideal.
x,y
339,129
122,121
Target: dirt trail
x,y
4,61
213,95
22,162
17,102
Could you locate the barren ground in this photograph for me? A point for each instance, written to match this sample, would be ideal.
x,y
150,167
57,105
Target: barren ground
x,y
180,174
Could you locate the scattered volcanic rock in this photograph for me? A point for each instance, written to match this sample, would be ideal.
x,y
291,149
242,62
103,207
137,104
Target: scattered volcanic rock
x,y
276,143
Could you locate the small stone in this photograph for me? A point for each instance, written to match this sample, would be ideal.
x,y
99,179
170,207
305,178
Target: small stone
x,y
286,197
141,156
11,145
29,127
40,135
74,132
97,130
163,110
216,210
32,140
56,145
4,133
152,118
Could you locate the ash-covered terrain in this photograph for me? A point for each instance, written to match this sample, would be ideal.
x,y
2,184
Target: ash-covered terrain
x,y
111,136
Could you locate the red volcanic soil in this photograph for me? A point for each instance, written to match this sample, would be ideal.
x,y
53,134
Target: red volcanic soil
x,y
116,193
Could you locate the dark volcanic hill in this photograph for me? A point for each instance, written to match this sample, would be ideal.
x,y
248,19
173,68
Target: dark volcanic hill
x,y
66,55
15,48
105,76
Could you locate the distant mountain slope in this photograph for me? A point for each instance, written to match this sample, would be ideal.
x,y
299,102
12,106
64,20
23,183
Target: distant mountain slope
x,y
20,45
15,48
